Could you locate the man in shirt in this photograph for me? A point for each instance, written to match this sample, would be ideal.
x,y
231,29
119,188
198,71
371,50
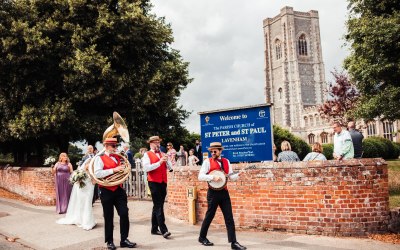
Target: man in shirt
x,y
155,164
217,198
342,143
104,165
198,152
357,139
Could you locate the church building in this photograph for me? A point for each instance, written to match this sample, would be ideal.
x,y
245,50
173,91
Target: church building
x,y
295,79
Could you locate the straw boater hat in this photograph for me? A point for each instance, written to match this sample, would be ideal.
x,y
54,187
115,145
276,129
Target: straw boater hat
x,y
215,145
110,141
154,138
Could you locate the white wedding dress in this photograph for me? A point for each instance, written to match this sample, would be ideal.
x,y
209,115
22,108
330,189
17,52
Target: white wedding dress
x,y
80,211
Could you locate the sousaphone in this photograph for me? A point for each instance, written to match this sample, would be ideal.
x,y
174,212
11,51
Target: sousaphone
x,y
118,128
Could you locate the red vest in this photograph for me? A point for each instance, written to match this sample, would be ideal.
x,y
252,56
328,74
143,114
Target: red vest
x,y
109,164
159,174
215,165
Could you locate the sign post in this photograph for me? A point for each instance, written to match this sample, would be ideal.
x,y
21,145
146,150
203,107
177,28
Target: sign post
x,y
245,133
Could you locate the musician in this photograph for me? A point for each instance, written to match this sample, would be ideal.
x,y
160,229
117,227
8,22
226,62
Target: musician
x,y
105,165
217,198
156,163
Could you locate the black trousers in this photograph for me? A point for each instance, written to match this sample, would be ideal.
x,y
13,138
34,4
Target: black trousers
x,y
116,198
158,194
222,199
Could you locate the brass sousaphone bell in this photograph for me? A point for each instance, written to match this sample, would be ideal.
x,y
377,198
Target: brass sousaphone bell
x,y
118,128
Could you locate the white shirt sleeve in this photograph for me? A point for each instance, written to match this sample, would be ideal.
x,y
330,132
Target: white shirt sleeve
x,y
147,166
232,177
99,172
205,168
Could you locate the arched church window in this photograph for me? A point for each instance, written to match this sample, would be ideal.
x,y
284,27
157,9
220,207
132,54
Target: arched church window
x,y
371,128
305,121
388,130
280,93
278,49
311,121
324,137
302,45
311,138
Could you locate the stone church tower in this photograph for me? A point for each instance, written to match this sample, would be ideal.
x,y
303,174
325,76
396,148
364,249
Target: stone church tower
x,y
295,76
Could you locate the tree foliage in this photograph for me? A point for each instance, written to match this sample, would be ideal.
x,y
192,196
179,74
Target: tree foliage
x,y
342,99
65,66
373,33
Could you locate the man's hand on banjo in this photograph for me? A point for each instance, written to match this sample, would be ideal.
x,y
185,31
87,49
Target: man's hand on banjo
x,y
217,178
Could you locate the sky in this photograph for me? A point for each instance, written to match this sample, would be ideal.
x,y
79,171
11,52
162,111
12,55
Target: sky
x,y
223,42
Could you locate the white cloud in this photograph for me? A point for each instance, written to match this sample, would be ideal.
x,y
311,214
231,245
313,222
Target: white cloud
x,y
224,44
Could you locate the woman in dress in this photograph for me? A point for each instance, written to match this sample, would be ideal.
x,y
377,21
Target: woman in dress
x,y
62,171
171,153
316,154
287,154
182,156
80,211
193,160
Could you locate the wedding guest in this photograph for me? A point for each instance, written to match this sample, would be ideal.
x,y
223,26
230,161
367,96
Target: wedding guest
x,y
182,156
193,160
287,154
62,171
316,154
171,153
198,151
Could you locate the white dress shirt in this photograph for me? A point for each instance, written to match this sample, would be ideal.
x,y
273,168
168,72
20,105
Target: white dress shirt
x,y
99,172
147,166
205,168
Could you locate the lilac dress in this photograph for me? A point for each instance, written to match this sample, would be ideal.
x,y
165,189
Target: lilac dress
x,y
63,187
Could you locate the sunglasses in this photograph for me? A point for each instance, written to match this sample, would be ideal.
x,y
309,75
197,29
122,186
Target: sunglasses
x,y
214,151
113,145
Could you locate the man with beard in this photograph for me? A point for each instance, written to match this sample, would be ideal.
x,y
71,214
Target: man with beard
x,y
217,198
156,164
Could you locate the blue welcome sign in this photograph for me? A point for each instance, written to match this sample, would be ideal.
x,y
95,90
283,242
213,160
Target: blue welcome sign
x,y
245,133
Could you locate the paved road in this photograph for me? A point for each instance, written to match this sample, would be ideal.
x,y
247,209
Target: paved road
x,y
35,228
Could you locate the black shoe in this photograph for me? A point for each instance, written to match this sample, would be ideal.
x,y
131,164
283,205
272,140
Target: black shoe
x,y
205,241
166,235
111,246
127,243
157,232
236,245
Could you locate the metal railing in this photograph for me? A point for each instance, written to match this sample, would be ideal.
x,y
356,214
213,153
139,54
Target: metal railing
x,y
135,184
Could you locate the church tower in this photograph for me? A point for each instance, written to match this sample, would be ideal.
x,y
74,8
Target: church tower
x,y
294,68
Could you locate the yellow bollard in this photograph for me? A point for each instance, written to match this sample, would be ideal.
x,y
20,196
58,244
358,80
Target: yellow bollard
x,y
192,196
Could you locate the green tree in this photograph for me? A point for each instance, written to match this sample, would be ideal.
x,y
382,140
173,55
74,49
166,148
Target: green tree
x,y
373,33
65,66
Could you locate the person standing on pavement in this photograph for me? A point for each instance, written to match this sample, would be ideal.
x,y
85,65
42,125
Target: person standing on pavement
x,y
115,196
342,143
357,139
62,171
217,198
198,152
156,164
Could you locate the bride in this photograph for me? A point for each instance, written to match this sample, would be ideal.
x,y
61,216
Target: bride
x,y
80,210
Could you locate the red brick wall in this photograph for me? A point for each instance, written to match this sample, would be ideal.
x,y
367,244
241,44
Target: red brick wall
x,y
35,184
347,198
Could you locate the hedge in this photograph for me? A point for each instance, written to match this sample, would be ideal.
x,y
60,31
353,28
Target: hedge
x,y
380,147
327,150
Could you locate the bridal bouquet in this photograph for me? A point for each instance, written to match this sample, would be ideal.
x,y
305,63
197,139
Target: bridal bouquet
x,y
78,176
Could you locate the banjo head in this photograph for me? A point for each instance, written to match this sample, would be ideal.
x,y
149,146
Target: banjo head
x,y
218,185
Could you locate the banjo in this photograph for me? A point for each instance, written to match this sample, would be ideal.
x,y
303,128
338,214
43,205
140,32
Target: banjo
x,y
221,184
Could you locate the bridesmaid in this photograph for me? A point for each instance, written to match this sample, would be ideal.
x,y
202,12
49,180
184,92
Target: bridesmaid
x,y
62,171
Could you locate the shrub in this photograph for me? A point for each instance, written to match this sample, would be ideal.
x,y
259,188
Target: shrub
x,y
328,151
298,145
371,149
396,146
